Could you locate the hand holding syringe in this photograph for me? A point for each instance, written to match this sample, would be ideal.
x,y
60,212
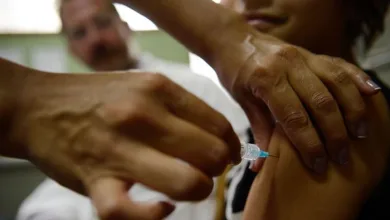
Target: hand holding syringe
x,y
253,152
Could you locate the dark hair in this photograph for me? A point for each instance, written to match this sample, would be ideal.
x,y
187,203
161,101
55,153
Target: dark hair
x,y
366,19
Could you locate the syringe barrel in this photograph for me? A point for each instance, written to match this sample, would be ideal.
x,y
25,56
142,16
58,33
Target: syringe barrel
x,y
249,151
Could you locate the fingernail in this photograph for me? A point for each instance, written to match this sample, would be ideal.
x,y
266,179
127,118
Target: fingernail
x,y
255,167
343,156
251,164
361,130
320,165
373,85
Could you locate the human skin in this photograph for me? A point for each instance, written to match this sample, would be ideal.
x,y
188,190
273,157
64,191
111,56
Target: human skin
x,y
271,79
284,189
98,134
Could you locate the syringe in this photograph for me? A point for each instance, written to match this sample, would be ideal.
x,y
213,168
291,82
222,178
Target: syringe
x,y
252,152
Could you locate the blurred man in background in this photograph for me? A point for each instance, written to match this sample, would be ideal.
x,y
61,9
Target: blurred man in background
x,y
98,37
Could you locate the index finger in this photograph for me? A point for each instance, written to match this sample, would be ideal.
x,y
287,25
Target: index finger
x,y
190,108
363,82
290,113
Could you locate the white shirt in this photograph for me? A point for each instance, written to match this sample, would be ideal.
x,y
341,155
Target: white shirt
x,y
51,201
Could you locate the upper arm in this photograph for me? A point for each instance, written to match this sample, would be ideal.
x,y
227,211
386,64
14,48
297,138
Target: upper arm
x,y
285,189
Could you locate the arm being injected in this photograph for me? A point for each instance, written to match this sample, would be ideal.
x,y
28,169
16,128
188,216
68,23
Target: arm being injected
x,y
253,152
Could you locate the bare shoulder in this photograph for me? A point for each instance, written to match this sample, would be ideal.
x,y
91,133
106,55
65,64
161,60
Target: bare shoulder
x,y
285,189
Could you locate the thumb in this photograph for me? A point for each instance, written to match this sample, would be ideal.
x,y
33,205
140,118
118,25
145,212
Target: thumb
x,y
110,197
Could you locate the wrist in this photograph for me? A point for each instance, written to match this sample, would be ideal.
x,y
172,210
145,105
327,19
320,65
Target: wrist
x,y
237,42
13,81
213,39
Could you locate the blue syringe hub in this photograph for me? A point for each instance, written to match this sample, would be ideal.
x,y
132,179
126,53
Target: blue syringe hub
x,y
252,152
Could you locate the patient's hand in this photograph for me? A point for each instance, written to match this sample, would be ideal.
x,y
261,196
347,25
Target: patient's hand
x,y
285,189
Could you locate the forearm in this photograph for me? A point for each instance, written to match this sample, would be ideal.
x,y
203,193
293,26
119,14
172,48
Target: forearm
x,y
193,23
13,79
8,78
203,26
209,30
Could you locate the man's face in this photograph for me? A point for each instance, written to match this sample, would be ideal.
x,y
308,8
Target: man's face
x,y
313,24
96,34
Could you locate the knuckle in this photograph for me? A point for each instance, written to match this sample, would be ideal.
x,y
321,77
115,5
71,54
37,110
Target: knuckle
x,y
337,60
262,74
295,120
222,126
264,81
324,57
111,114
156,82
324,102
115,114
313,147
340,77
356,112
337,137
288,52
136,112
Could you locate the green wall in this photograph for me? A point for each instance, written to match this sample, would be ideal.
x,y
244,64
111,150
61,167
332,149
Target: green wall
x,y
156,42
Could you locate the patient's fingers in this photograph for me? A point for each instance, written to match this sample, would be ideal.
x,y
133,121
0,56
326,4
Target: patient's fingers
x,y
273,149
112,202
256,166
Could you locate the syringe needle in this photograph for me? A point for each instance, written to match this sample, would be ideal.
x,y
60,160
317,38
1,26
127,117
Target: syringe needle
x,y
253,152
